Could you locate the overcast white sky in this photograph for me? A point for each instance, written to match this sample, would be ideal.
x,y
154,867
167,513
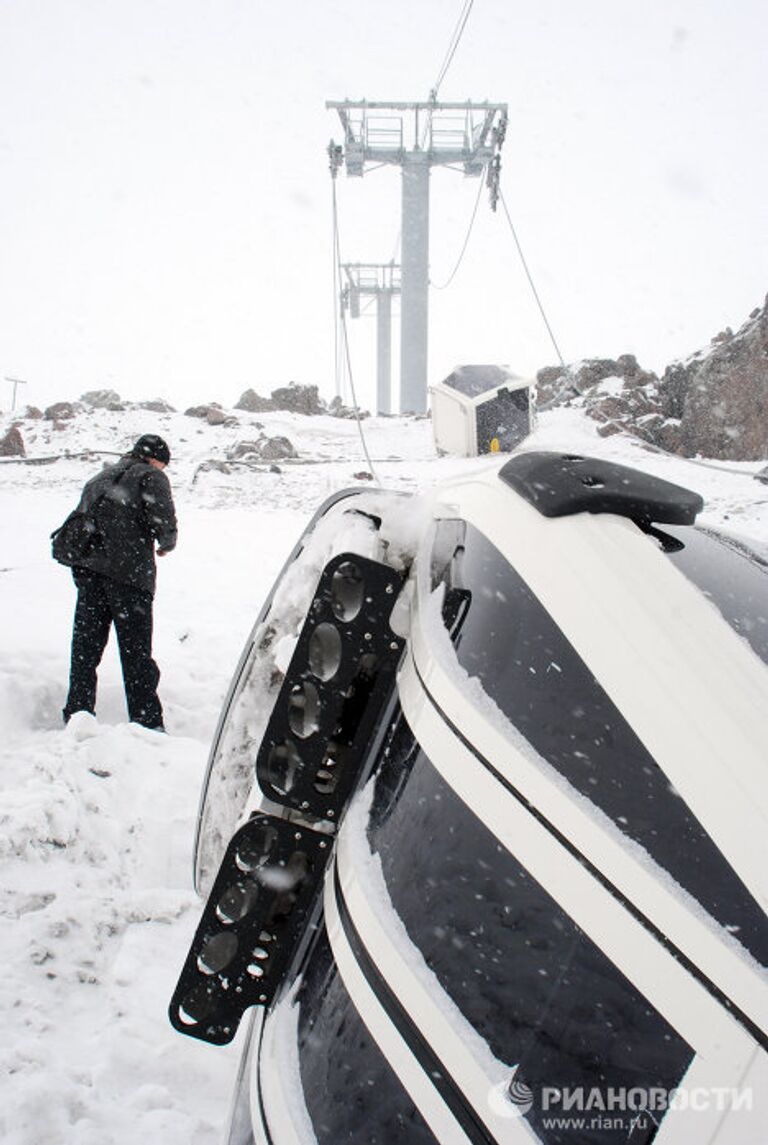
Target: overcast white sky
x,y
165,221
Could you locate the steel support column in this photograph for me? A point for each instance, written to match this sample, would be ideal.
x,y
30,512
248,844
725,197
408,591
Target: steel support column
x,y
384,351
414,283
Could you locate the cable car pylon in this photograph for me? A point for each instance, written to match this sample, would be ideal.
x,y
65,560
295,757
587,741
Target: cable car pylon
x,y
417,137
381,281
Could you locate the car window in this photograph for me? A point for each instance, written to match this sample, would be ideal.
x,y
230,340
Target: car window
x,y
733,577
541,994
350,1091
507,639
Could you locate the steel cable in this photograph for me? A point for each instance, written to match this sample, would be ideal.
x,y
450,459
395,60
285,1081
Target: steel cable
x,y
452,275
531,283
345,338
452,46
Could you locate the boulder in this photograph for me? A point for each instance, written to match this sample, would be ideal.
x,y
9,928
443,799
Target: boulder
x,y
298,399
251,402
632,373
668,435
554,386
212,413
215,416
62,411
157,405
608,429
12,445
338,409
103,399
276,448
595,370
263,449
242,450
614,400
33,413
549,377
200,411
213,465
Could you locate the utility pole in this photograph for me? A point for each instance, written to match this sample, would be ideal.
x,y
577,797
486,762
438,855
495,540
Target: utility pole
x,y
15,382
382,281
417,137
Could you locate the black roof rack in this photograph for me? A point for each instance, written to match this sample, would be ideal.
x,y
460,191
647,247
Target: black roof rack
x,y
560,484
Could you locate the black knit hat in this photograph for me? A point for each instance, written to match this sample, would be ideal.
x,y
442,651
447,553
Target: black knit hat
x,y
151,446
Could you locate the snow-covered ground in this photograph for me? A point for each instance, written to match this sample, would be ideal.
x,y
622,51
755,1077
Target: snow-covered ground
x,y
97,819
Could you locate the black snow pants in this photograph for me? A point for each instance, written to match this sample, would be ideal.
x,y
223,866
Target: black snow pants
x,y
102,602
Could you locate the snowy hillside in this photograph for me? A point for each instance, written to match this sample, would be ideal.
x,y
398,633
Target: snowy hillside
x,y
97,820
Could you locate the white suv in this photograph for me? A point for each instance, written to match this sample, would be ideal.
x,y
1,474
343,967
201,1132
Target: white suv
x,y
483,834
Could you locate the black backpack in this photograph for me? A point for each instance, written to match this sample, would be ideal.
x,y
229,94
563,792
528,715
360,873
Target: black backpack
x,y
76,538
79,536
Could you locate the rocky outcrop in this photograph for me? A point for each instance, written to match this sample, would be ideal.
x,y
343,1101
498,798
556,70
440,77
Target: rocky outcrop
x,y
557,384
617,393
721,396
295,398
12,444
714,404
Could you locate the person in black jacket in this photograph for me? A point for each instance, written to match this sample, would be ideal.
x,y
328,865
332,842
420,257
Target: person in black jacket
x,y
132,507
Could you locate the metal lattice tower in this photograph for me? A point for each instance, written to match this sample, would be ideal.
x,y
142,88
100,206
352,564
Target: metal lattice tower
x,y
416,137
381,281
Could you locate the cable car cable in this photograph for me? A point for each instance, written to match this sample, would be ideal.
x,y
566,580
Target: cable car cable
x,y
336,297
452,46
531,283
345,338
452,275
